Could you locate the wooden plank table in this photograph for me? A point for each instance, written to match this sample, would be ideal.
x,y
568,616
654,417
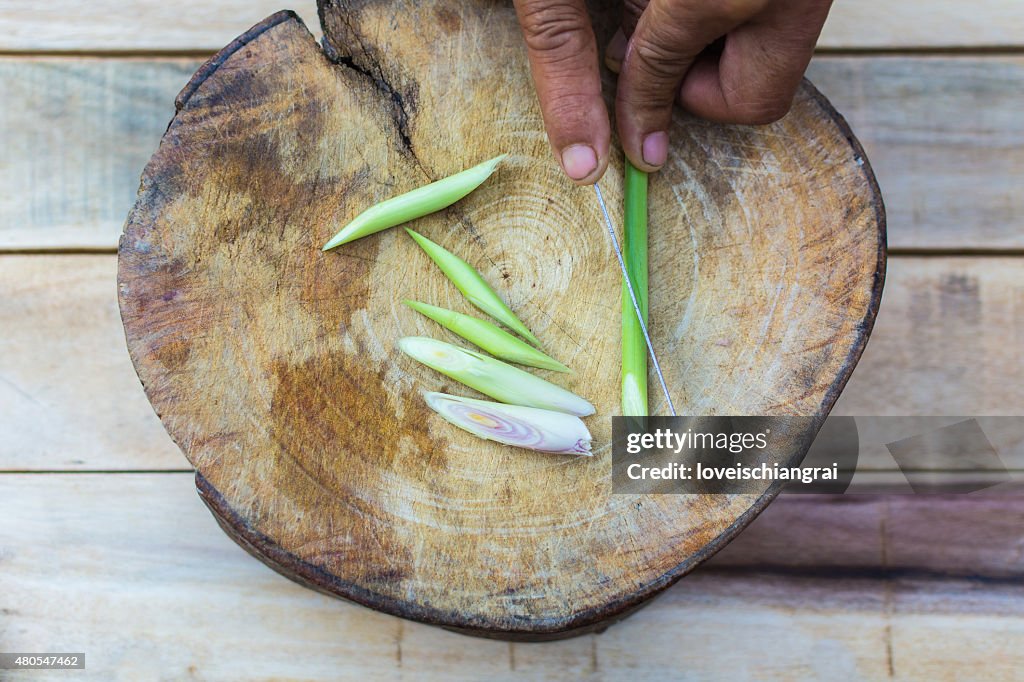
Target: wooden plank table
x,y
105,547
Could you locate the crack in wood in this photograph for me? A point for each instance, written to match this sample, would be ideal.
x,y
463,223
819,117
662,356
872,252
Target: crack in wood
x,y
374,72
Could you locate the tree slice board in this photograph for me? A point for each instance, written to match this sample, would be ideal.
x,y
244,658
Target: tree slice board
x,y
274,366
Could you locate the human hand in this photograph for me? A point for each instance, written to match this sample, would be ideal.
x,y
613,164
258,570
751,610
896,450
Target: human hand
x,y
662,56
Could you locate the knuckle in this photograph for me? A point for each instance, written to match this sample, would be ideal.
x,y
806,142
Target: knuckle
x,y
631,11
769,97
760,110
658,60
554,27
737,11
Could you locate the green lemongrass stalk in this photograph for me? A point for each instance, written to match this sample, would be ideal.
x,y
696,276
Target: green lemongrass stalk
x,y
521,427
494,378
634,348
472,285
488,336
415,204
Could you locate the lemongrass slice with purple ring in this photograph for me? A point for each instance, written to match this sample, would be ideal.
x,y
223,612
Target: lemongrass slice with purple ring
x,y
492,377
521,427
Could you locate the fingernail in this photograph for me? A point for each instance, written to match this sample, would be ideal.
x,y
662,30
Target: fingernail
x,y
616,51
655,149
579,161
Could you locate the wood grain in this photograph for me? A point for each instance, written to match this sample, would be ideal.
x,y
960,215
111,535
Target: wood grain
x,y
949,170
178,592
923,24
76,134
69,398
193,25
913,537
944,137
146,25
97,415
272,367
948,341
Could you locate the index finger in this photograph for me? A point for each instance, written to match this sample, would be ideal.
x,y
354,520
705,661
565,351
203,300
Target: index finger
x,y
563,60
668,37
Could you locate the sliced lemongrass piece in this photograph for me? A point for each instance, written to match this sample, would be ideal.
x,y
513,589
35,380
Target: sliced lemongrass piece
x,y
415,204
472,285
488,336
494,378
521,427
634,248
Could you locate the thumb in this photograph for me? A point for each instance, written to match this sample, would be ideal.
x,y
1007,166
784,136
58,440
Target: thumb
x,y
668,38
563,60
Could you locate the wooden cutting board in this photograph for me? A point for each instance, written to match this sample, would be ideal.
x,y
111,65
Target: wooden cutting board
x,y
274,366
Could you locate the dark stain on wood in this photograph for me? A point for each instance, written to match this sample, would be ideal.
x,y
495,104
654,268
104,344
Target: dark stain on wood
x,y
330,400
448,20
173,355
